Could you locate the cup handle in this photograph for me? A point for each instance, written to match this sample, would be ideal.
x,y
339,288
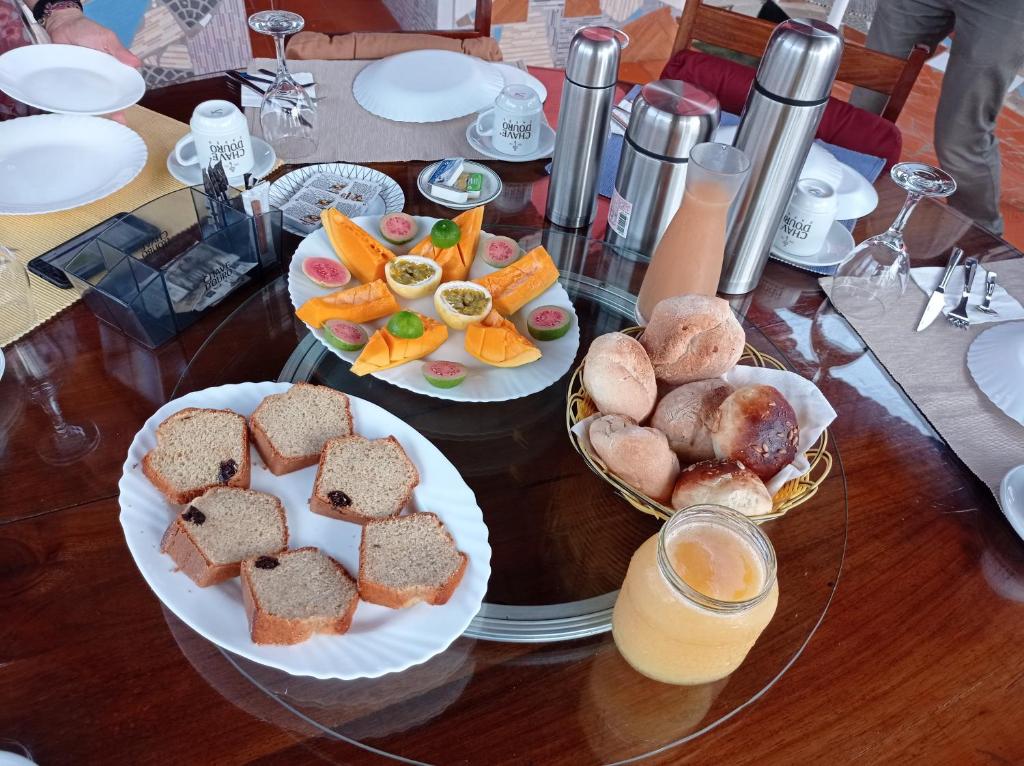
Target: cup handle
x,y
480,130
194,160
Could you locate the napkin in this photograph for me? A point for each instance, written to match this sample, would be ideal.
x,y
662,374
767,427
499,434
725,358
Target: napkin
x,y
927,279
252,98
813,414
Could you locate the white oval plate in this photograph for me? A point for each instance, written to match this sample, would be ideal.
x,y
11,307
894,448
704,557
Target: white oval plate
x,y
390,200
427,86
996,361
52,162
264,159
484,383
69,79
381,640
838,244
484,145
490,192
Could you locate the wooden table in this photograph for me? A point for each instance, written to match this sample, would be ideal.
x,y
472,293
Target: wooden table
x,y
915,662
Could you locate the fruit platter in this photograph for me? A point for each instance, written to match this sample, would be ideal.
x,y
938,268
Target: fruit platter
x,y
435,306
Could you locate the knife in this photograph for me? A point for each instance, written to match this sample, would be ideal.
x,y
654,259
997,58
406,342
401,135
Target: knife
x,y
938,297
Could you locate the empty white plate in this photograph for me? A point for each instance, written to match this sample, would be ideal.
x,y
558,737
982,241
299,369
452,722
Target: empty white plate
x,y
53,162
69,79
996,361
427,86
484,145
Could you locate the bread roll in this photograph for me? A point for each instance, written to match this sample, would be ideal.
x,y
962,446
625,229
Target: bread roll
x,y
639,456
722,482
685,415
757,426
692,337
619,377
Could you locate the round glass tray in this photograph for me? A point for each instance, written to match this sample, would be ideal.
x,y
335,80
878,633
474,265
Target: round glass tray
x,y
537,670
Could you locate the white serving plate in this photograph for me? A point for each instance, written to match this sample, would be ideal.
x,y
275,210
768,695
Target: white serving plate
x,y
381,640
52,162
838,244
69,79
996,362
427,86
483,383
264,159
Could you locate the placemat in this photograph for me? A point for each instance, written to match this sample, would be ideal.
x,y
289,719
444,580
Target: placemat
x,y
931,367
349,133
32,235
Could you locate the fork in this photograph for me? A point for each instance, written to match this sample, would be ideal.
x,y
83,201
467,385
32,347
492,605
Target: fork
x,y
990,289
958,316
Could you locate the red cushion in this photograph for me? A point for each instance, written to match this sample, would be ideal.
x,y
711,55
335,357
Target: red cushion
x,y
843,125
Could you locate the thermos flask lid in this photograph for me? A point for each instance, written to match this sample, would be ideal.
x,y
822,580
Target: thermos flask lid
x,y
669,117
593,60
800,61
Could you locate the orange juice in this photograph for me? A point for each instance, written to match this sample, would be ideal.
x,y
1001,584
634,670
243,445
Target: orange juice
x,y
696,597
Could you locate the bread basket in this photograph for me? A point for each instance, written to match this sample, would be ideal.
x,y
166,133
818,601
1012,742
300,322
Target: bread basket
x,y
579,406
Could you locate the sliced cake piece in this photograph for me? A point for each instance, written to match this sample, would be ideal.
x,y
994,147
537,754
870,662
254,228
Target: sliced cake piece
x,y
361,479
220,528
197,449
292,595
290,429
409,559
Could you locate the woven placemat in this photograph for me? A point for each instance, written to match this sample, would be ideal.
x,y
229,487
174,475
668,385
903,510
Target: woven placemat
x,y
32,235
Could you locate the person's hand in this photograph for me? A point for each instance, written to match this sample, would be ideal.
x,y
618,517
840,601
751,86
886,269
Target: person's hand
x,y
70,27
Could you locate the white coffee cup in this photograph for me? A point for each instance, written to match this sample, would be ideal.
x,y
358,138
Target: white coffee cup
x,y
514,122
219,134
806,222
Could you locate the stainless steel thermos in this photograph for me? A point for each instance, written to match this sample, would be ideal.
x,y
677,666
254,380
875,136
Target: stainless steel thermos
x,y
781,116
591,71
669,117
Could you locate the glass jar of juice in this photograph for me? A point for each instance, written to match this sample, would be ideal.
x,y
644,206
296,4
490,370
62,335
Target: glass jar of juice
x,y
696,596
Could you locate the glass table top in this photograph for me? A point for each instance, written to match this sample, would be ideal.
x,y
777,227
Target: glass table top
x,y
561,540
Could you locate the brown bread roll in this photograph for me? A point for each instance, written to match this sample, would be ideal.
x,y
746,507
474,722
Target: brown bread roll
x,y
757,426
639,456
619,377
685,415
722,482
692,337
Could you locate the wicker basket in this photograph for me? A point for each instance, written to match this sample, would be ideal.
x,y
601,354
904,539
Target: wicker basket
x,y
794,492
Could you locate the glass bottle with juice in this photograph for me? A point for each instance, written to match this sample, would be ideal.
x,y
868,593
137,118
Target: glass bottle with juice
x,y
688,257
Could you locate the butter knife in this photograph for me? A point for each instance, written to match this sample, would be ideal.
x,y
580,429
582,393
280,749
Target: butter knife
x,y
938,297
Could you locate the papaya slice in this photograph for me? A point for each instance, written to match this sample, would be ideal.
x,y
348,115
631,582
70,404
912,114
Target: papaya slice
x,y
497,342
362,303
514,286
363,255
384,350
455,261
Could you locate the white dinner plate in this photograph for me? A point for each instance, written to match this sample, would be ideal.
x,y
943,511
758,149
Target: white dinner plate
x,y
492,186
264,158
513,75
996,362
483,383
52,162
381,640
427,86
69,79
391,198
484,145
838,244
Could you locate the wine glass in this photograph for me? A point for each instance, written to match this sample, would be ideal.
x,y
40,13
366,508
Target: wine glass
x,y
875,273
288,114
16,305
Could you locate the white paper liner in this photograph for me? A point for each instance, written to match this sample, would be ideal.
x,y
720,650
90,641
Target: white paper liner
x,y
813,414
927,278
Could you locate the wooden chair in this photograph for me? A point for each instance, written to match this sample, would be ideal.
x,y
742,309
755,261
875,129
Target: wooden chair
x,y
860,66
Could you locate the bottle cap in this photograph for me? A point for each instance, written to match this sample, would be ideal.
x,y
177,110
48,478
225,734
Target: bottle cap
x,y
800,61
669,117
593,60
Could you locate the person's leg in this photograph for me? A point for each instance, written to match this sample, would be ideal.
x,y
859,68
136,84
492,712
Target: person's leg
x,y
899,25
987,51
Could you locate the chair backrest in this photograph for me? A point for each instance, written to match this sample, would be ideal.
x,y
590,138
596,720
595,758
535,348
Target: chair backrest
x,y
860,66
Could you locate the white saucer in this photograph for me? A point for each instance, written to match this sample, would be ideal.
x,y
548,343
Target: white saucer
x,y
192,175
838,245
996,362
483,145
1011,498
69,79
492,186
3,363
513,75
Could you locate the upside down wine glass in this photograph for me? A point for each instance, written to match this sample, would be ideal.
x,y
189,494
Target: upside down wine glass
x,y
288,114
875,273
